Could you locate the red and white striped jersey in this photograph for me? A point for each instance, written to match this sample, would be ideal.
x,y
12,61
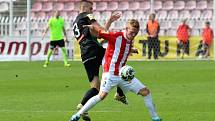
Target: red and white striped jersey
x,y
117,51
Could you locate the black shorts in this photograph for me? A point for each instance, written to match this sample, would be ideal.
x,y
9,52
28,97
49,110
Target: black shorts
x,y
92,65
205,46
59,43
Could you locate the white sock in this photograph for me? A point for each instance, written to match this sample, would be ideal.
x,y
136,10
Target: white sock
x,y
90,103
151,107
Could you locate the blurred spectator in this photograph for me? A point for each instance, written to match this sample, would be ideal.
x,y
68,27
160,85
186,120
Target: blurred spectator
x,y
205,43
153,29
183,34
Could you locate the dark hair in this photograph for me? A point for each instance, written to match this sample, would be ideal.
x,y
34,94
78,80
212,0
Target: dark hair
x,y
207,23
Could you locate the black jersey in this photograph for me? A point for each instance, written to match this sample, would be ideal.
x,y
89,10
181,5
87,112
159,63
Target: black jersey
x,y
89,45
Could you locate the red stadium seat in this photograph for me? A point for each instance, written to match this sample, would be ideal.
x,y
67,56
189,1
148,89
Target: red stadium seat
x,y
190,5
210,4
41,15
168,5
179,5
59,6
112,6
36,7
101,6
145,5
157,5
47,6
123,6
69,6
201,5
134,6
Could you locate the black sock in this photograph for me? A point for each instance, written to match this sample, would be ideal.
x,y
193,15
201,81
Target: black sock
x,y
120,92
90,93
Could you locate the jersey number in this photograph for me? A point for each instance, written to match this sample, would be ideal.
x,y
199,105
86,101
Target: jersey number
x,y
76,30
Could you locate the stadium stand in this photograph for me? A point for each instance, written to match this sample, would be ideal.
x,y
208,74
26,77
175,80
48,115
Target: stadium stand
x,y
195,11
168,5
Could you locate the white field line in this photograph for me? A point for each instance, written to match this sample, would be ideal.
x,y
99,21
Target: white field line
x,y
47,111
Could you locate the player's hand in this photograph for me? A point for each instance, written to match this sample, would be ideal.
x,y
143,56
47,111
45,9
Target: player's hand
x,y
115,16
135,50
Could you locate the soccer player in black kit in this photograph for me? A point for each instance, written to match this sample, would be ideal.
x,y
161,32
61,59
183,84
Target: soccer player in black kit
x,y
92,52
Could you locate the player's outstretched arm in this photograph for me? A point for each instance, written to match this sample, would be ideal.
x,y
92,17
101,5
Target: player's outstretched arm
x,y
112,18
94,29
95,26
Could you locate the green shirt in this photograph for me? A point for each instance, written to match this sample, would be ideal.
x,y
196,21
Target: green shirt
x,y
56,28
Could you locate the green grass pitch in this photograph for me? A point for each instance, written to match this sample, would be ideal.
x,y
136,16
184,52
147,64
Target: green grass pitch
x,y
182,91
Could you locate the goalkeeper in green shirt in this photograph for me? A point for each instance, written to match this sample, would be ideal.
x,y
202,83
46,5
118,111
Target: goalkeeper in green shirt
x,y
56,26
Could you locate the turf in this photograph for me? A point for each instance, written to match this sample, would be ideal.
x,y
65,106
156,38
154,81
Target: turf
x,y
182,91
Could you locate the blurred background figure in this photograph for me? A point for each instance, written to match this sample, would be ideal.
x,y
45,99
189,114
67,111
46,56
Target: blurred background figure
x,y
183,34
206,42
152,29
58,37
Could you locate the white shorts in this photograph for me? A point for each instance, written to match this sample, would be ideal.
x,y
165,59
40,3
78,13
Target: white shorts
x,y
110,81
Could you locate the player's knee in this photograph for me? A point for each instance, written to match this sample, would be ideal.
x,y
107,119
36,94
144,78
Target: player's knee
x,y
144,91
95,83
102,95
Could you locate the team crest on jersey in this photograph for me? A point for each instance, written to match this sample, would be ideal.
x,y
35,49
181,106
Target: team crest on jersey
x,y
90,16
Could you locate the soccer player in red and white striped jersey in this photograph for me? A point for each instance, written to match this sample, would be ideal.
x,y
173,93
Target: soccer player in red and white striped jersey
x,y
117,52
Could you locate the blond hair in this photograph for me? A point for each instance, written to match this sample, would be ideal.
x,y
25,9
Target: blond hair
x,y
134,23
